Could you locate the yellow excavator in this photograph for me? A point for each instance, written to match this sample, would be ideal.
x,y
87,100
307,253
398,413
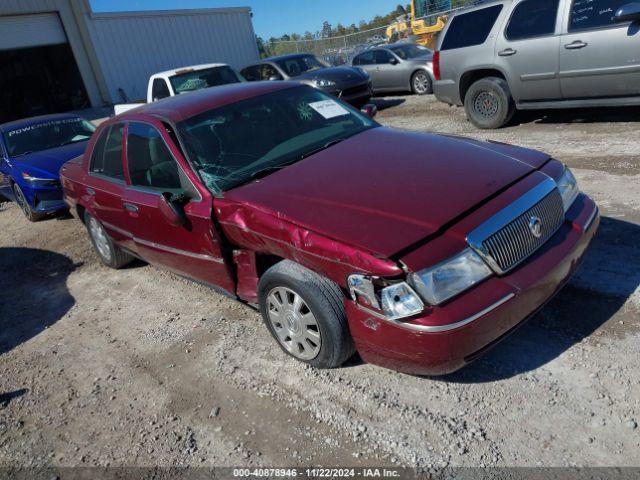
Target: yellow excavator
x,y
423,33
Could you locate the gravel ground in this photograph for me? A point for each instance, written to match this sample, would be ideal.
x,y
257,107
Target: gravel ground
x,y
140,367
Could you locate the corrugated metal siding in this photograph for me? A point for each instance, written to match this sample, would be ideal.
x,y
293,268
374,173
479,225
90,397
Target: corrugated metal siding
x,y
132,47
23,31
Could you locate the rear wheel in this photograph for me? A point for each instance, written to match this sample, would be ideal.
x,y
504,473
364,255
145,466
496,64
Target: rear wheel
x,y
22,202
305,314
489,104
421,83
110,254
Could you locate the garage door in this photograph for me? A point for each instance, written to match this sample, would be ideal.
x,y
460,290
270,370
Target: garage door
x,y
24,31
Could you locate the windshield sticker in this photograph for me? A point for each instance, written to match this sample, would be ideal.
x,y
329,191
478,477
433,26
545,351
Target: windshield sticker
x,y
305,112
329,109
40,125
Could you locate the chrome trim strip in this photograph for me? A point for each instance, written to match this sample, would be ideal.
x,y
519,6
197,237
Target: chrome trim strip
x,y
157,246
506,216
439,328
593,216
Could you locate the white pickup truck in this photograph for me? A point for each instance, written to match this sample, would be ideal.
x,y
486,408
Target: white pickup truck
x,y
183,80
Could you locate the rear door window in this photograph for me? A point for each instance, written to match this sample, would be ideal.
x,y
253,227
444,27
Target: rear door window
x,y
251,73
533,18
269,72
588,14
469,29
106,159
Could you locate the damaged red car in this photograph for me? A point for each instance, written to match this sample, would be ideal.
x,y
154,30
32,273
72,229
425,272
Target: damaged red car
x,y
418,251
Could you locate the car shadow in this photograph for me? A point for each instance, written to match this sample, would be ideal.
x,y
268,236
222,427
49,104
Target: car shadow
x,y
609,275
578,115
33,293
385,103
7,398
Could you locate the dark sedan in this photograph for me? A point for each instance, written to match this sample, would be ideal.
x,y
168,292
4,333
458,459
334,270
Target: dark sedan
x,y
31,154
350,84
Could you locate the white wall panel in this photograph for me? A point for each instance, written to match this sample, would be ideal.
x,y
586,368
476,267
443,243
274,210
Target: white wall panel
x,y
24,31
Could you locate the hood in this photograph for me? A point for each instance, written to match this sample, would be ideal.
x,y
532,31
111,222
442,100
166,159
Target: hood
x,y
47,163
336,74
384,190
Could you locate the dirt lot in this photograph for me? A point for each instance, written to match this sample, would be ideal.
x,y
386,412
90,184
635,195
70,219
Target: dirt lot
x,y
140,367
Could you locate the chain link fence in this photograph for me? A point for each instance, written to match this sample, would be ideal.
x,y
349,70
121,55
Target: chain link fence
x,y
339,50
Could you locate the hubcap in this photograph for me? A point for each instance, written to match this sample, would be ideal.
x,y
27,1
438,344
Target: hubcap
x,y
487,104
294,323
100,239
22,202
421,83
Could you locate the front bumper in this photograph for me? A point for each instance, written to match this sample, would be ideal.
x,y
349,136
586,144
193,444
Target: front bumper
x,y
354,95
446,338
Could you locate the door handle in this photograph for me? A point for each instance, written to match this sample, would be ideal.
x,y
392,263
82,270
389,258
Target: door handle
x,y
576,45
507,52
130,207
91,191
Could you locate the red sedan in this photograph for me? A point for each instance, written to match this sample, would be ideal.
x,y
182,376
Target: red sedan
x,y
419,251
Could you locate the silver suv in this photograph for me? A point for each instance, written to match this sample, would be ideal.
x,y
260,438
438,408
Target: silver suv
x,y
539,54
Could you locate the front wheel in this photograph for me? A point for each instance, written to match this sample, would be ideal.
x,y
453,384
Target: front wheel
x,y
488,103
421,83
110,254
22,202
305,314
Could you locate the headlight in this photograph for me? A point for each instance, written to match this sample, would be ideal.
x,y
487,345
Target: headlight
x,y
32,179
451,277
323,83
393,301
568,186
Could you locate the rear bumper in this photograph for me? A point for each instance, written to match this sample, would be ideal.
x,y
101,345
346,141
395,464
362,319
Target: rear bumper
x,y
447,338
447,91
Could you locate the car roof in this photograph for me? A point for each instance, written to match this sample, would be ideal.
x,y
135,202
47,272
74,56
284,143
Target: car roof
x,y
187,105
26,122
287,57
204,66
478,4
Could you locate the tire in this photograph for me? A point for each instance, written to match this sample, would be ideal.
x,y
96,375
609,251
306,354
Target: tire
x,y
22,202
421,83
489,104
110,254
326,343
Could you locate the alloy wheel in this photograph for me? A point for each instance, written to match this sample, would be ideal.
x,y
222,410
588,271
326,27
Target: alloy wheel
x,y
421,83
100,239
294,323
22,202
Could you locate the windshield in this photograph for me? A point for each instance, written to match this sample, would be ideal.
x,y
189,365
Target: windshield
x,y
232,145
199,79
298,65
411,51
46,135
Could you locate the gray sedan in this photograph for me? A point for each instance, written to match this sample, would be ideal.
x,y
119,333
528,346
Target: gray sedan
x,y
352,85
398,67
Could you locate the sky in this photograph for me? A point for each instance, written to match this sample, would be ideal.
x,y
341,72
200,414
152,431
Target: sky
x,y
271,17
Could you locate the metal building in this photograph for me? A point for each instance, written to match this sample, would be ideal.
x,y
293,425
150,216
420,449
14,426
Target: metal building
x,y
58,55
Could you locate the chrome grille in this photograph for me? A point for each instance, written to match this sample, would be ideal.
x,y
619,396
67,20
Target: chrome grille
x,y
509,238
515,242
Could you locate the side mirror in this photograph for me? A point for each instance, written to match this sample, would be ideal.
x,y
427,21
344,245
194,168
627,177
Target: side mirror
x,y
370,110
172,209
393,61
628,13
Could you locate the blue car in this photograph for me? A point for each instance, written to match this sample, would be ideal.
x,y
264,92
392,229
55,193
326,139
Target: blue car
x,y
31,154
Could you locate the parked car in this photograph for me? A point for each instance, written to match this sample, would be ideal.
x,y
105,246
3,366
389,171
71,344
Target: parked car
x,y
513,55
352,85
398,67
183,80
345,233
31,154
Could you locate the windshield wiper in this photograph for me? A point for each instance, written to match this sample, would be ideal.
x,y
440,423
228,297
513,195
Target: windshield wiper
x,y
22,154
263,172
319,149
